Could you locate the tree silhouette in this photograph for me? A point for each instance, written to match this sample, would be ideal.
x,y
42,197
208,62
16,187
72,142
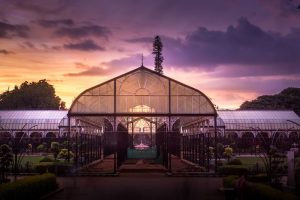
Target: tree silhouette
x,y
157,51
34,95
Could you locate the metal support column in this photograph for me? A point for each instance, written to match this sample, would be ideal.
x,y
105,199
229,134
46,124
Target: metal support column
x,y
216,140
69,138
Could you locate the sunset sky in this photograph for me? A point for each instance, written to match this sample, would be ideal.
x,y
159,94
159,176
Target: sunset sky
x,y
232,50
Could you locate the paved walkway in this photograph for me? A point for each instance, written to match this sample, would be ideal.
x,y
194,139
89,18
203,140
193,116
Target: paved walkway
x,y
139,186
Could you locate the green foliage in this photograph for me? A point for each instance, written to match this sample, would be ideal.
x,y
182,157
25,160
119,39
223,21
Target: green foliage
x,y
55,149
257,190
220,149
297,179
229,181
34,95
259,178
57,168
233,170
266,192
41,148
157,51
289,99
235,161
32,187
228,151
46,159
6,158
63,154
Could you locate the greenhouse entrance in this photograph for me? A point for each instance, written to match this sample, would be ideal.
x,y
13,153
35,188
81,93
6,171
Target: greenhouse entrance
x,y
141,115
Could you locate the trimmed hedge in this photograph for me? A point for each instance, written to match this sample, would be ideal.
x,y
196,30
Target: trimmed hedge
x,y
31,188
47,159
229,181
259,178
57,168
297,179
233,170
262,191
258,191
235,161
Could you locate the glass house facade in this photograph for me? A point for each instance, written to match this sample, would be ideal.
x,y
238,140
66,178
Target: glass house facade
x,y
143,106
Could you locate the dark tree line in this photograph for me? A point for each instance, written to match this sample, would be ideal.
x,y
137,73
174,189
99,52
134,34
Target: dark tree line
x,y
35,95
287,99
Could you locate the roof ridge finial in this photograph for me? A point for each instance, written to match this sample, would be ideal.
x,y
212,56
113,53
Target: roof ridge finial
x,y
142,60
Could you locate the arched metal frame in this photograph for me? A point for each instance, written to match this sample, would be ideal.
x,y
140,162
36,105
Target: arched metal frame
x,y
147,94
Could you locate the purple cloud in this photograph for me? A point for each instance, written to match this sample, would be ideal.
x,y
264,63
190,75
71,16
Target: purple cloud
x,y
87,45
242,50
10,30
45,7
84,31
55,23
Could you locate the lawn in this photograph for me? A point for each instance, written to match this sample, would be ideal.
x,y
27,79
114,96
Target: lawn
x,y
251,161
32,159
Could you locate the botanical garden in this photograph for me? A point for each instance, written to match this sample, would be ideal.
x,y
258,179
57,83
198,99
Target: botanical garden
x,y
147,122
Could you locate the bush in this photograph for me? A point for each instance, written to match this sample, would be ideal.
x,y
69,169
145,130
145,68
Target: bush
x,y
32,187
257,190
63,154
47,159
41,148
259,178
266,192
229,181
297,179
233,170
235,161
54,167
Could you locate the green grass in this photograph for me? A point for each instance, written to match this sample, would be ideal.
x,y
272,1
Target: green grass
x,y
251,161
32,159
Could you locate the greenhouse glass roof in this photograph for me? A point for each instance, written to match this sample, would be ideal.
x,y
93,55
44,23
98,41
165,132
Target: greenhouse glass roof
x,y
31,119
142,92
260,120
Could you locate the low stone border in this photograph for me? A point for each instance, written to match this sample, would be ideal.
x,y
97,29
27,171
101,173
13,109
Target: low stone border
x,y
98,174
192,174
52,193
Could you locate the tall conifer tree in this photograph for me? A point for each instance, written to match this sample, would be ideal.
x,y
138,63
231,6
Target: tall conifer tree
x,y
157,52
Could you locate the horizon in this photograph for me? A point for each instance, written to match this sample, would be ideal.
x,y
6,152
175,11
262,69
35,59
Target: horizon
x,y
231,51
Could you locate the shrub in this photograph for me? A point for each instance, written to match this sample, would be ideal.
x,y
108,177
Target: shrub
x,y
266,192
233,170
32,187
41,148
63,154
55,149
229,181
54,167
46,159
259,178
297,179
235,161
257,190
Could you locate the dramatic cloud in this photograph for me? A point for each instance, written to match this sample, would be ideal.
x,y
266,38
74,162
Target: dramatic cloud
x,y
92,71
5,52
44,7
128,61
55,23
241,50
84,31
9,30
87,45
